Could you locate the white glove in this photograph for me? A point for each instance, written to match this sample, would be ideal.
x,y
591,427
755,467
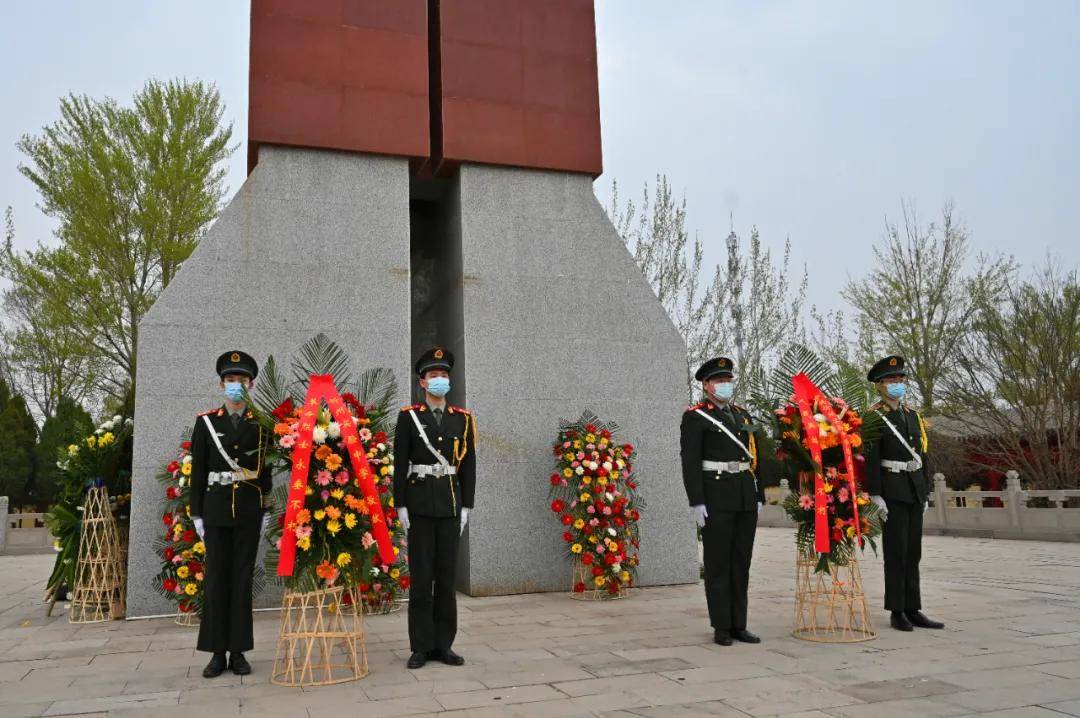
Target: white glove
x,y
200,528
760,506
880,503
926,506
464,518
700,514
403,517
265,522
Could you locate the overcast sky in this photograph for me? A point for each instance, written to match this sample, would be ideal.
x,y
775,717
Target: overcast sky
x,y
808,119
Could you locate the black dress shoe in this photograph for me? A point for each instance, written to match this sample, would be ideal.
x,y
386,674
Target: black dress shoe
x,y
450,658
416,660
721,637
215,667
918,618
900,622
239,664
741,634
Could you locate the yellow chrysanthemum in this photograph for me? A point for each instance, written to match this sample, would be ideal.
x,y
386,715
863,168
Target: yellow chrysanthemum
x,y
309,491
199,547
344,559
333,526
624,576
186,469
396,550
320,514
598,581
568,473
585,496
394,573
191,589
593,539
590,438
579,524
350,520
384,471
601,480
586,480
91,441
73,449
106,439
576,548
851,532
304,543
338,494
827,487
390,502
183,572
568,456
577,444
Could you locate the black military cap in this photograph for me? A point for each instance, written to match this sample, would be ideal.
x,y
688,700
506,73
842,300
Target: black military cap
x,y
236,362
434,358
889,366
720,366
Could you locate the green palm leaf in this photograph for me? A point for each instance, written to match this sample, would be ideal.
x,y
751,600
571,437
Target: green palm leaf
x,y
320,355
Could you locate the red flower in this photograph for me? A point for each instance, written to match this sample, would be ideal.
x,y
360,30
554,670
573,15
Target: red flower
x,y
619,521
169,585
169,553
353,403
173,467
597,571
185,607
579,587
567,536
586,559
380,437
606,434
404,582
172,492
634,514
590,428
283,410
189,536
558,505
567,519
609,558
167,519
363,587
186,446
628,449
194,566
555,479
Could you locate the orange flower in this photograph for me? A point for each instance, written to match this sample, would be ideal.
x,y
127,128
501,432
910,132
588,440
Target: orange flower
x,y
303,516
354,503
323,452
333,462
333,512
326,571
282,429
856,440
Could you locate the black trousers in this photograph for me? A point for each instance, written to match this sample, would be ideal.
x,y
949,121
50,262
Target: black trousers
x,y
433,545
230,567
728,542
901,540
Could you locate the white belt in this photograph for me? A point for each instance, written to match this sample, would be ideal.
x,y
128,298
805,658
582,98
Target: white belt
x,y
897,466
432,470
229,477
726,467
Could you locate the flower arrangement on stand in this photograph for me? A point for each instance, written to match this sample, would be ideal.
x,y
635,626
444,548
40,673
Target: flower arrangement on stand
x,y
101,460
181,551
594,494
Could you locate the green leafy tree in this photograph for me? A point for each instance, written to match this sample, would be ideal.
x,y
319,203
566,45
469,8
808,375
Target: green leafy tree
x,y
132,189
70,424
18,437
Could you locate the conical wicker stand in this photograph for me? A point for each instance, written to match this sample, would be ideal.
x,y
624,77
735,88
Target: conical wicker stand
x,y
830,607
186,618
321,641
579,574
99,572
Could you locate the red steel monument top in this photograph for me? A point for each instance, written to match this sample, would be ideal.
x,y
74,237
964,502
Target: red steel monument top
x,y
510,82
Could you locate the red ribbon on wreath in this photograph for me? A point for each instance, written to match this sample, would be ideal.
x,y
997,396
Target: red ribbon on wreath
x,y
320,387
807,394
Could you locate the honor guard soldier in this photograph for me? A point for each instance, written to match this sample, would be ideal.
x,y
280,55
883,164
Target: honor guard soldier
x,y
434,482
719,465
896,480
230,492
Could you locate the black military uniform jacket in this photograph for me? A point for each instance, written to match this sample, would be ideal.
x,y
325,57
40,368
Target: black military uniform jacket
x,y
907,486
455,439
701,441
228,505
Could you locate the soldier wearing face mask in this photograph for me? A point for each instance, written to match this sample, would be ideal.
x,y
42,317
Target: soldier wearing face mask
x,y
896,480
719,465
434,482
230,493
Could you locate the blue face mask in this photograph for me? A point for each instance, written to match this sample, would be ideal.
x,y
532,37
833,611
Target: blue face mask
x,y
234,391
438,386
724,391
896,391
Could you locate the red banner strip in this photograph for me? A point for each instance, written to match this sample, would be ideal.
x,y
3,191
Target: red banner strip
x,y
805,393
849,460
321,387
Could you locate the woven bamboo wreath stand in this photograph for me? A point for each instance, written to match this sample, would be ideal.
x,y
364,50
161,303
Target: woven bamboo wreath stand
x,y
321,641
830,607
186,618
579,574
99,572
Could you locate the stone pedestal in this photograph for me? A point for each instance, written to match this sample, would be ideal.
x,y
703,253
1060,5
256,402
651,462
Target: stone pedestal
x,y
313,241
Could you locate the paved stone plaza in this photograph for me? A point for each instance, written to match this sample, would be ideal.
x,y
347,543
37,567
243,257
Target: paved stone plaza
x,y
1011,648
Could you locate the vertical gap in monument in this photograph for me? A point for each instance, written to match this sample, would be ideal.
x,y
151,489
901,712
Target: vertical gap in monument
x,y
436,266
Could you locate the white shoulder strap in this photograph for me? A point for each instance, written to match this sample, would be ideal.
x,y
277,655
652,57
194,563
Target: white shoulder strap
x,y
723,428
427,441
217,442
896,432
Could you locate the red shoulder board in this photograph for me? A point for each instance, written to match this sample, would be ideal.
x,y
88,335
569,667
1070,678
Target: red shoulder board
x,y
458,409
411,407
695,407
212,411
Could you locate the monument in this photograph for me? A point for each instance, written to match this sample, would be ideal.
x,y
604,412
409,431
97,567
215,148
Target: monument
x,y
421,172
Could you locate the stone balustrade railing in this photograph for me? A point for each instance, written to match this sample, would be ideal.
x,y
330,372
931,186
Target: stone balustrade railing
x,y
23,532
989,514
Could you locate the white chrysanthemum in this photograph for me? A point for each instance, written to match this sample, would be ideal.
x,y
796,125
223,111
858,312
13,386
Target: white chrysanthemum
x,y
579,470
611,531
609,497
607,466
374,570
333,430
616,566
108,426
187,459
182,481
380,446
319,435
100,431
